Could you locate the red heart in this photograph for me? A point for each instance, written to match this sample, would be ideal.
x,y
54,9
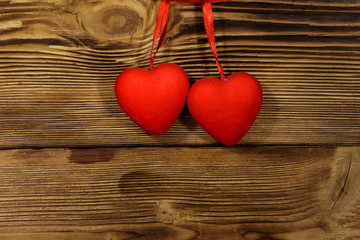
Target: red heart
x,y
154,98
226,109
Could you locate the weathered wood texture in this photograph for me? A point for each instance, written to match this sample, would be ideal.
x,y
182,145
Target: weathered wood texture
x,y
180,193
59,60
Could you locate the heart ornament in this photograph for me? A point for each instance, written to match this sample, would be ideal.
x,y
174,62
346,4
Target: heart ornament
x,y
153,98
226,109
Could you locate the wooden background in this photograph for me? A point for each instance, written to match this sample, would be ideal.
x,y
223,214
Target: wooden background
x,y
73,166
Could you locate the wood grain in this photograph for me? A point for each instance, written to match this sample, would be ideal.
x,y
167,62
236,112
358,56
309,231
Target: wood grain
x,y
180,193
59,60
95,175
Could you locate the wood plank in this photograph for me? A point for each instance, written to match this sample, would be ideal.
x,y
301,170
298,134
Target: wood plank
x,y
59,60
277,193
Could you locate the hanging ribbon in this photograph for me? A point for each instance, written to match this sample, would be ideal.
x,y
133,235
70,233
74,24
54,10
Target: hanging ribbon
x,y
161,25
160,28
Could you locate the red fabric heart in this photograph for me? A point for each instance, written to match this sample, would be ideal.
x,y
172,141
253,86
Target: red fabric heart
x,y
226,109
154,98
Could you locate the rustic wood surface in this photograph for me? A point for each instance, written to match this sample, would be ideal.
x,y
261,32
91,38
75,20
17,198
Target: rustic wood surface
x,y
59,60
73,166
180,193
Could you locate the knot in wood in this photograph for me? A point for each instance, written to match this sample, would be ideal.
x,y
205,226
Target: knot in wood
x,y
112,22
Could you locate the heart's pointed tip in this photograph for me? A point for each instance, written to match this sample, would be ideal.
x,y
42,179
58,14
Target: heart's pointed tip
x,y
151,130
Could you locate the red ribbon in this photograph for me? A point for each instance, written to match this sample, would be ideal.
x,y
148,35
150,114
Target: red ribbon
x,y
160,28
161,25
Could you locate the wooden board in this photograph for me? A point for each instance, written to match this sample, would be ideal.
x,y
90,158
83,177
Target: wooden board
x,y
274,193
59,60
73,166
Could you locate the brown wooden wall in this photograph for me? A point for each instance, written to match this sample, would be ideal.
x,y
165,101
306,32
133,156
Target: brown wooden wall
x,y
73,166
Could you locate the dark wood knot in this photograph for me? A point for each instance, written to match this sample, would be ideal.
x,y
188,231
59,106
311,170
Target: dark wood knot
x,y
113,22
